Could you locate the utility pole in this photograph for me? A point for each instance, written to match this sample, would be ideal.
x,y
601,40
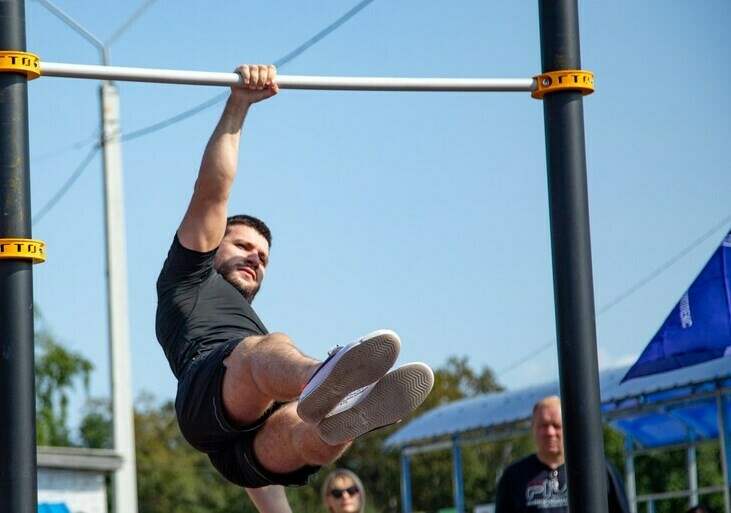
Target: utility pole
x,y
124,498
125,479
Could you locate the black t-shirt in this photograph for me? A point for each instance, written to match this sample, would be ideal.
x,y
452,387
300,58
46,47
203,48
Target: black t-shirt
x,y
530,486
197,308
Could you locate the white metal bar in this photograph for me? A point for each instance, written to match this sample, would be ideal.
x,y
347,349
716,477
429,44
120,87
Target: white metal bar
x,y
725,446
55,69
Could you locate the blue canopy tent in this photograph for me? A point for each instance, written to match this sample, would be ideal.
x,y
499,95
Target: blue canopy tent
x,y
673,409
699,327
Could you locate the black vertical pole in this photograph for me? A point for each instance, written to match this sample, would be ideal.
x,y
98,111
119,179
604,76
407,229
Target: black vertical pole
x,y
18,481
571,247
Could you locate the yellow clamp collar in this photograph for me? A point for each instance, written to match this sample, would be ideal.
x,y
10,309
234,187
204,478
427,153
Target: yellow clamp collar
x,y
20,62
23,249
564,80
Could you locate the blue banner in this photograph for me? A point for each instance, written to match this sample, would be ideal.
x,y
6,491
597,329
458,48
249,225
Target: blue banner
x,y
53,508
699,327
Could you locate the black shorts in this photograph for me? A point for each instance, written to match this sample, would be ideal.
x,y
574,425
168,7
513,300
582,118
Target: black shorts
x,y
199,408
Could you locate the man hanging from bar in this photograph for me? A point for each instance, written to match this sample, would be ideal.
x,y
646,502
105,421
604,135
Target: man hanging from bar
x,y
265,413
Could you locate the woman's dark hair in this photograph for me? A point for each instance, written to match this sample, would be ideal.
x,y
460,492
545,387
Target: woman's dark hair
x,y
700,508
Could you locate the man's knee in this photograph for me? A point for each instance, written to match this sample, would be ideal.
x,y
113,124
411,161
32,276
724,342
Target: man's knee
x,y
256,343
277,339
250,346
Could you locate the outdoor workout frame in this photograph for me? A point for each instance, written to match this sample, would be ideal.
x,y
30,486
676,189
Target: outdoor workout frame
x,y
560,86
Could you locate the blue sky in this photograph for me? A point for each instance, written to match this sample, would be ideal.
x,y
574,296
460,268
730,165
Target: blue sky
x,y
426,213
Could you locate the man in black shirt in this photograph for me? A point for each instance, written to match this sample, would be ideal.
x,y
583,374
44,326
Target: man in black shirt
x,y
538,483
237,383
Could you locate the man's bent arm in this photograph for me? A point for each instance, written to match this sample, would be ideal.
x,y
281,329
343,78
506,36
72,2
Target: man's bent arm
x,y
204,223
269,499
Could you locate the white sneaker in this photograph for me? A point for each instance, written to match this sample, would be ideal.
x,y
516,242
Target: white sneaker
x,y
346,369
381,404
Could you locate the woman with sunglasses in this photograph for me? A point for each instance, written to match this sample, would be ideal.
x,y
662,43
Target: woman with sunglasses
x,y
342,492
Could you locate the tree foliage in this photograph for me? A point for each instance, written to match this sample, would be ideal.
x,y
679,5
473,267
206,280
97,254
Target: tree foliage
x,y
665,471
172,477
95,430
57,371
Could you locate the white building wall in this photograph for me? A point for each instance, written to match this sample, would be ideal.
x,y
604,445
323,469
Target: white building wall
x,y
81,491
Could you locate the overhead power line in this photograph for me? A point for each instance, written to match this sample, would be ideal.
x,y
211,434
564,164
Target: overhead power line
x,y
654,274
66,186
322,34
173,120
624,295
127,24
91,139
280,63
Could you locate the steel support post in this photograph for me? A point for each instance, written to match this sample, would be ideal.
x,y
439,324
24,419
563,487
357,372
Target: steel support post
x,y
18,479
571,247
405,482
457,481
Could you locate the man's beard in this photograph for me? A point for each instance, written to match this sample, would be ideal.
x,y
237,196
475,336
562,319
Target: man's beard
x,y
248,291
229,272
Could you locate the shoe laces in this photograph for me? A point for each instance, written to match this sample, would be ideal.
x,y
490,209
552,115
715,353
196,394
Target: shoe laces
x,y
333,350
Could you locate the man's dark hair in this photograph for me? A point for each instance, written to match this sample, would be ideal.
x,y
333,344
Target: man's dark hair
x,y
252,222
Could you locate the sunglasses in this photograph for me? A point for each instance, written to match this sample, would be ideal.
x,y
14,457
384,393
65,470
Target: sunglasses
x,y
338,492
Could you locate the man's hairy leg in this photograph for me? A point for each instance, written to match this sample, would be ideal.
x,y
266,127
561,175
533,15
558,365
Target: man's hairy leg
x,y
261,370
285,443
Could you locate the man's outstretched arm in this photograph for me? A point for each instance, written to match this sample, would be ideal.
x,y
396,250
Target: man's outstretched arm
x,y
204,223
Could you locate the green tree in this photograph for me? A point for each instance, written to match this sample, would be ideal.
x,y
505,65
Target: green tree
x,y
431,473
95,430
665,470
456,380
57,371
710,473
172,477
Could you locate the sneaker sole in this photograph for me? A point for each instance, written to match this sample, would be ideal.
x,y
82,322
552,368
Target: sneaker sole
x,y
361,366
396,395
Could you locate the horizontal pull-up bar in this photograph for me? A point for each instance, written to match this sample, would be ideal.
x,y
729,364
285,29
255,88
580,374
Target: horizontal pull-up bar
x,y
54,69
30,65
562,80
